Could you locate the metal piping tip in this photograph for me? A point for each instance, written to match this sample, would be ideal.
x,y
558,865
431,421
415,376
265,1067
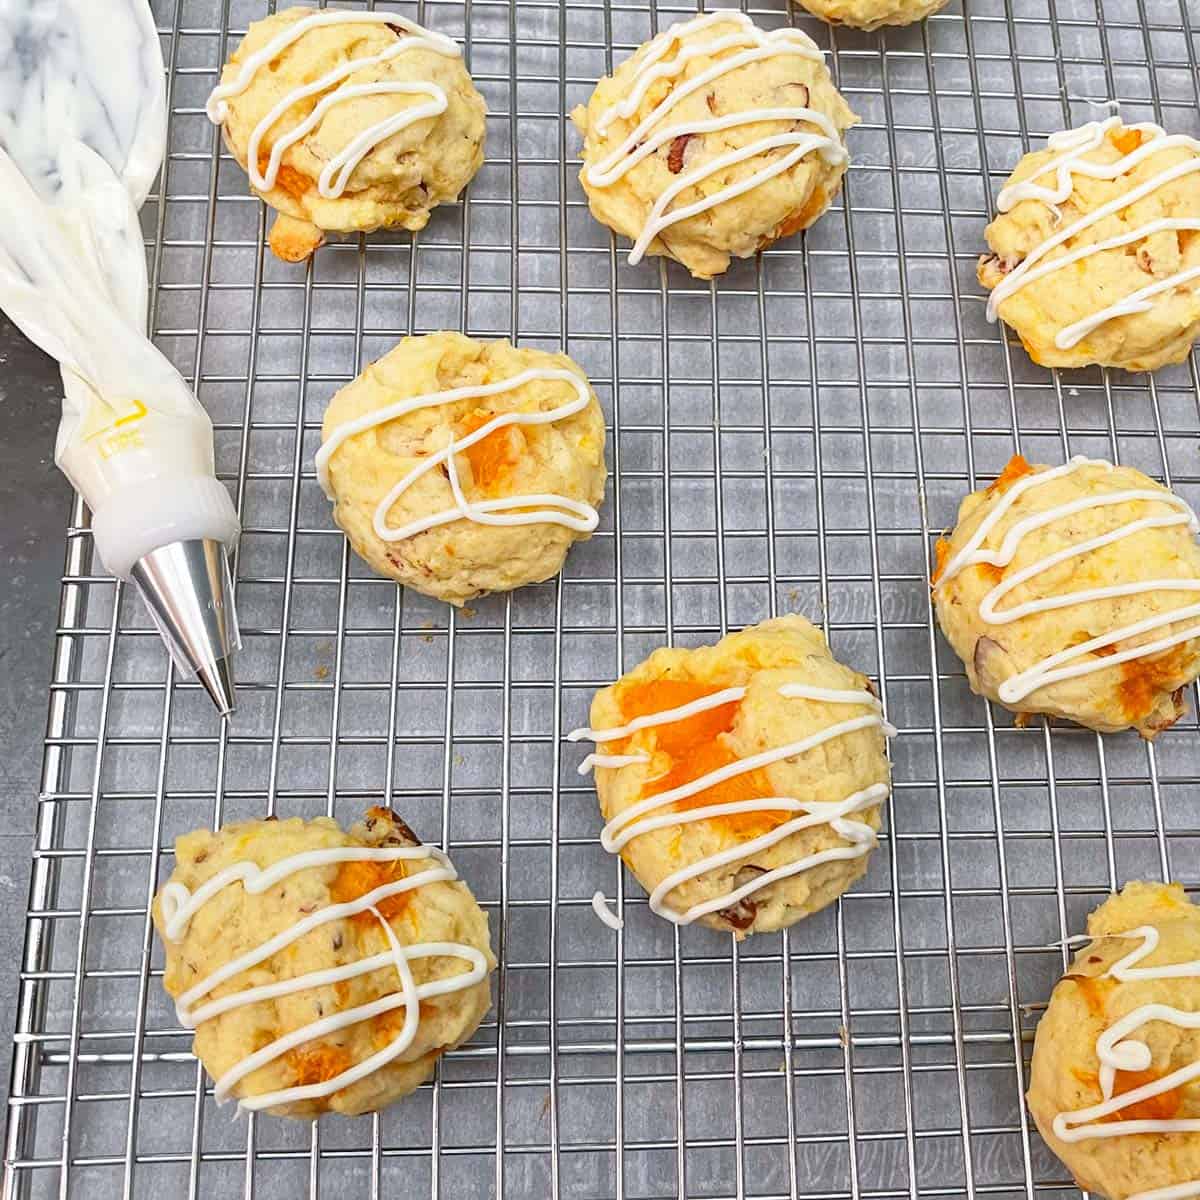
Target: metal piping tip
x,y
187,588
218,683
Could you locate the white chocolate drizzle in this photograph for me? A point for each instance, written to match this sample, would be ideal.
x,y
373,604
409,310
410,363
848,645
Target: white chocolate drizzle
x,y
668,716
1118,1050
650,135
1075,144
178,906
1126,970
557,510
606,914
1073,661
344,162
592,761
657,812
1179,1191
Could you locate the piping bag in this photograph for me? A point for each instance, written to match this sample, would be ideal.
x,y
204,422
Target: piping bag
x,y
82,135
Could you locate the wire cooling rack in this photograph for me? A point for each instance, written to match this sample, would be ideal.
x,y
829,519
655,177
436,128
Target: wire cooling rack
x,y
790,438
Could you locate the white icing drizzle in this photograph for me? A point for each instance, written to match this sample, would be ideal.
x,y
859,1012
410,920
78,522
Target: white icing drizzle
x,y
804,691
559,510
1065,664
648,136
178,906
592,761
668,716
1180,1191
1118,1050
1126,969
636,820
343,163
606,915
1075,144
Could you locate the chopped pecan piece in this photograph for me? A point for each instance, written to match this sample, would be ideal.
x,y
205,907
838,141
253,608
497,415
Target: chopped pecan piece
x,y
997,262
741,915
1157,722
990,658
676,153
399,834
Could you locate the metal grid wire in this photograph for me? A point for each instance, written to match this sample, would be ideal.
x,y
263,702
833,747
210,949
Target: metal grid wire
x,y
790,438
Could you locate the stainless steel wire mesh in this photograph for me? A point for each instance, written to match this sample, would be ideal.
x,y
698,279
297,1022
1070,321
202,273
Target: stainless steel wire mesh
x,y
790,438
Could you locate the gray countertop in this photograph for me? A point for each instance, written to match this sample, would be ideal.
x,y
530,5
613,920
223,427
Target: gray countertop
x,y
36,501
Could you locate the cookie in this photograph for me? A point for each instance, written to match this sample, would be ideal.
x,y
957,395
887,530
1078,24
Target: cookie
x,y
1096,251
348,121
322,970
459,467
871,14
1115,1081
1075,592
741,782
713,141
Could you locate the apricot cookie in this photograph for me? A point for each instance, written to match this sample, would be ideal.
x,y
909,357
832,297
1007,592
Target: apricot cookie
x,y
459,467
1095,256
348,121
322,970
1115,1081
871,14
713,141
1075,591
741,782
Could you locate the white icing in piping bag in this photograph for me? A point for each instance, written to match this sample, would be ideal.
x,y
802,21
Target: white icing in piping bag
x,y
82,134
